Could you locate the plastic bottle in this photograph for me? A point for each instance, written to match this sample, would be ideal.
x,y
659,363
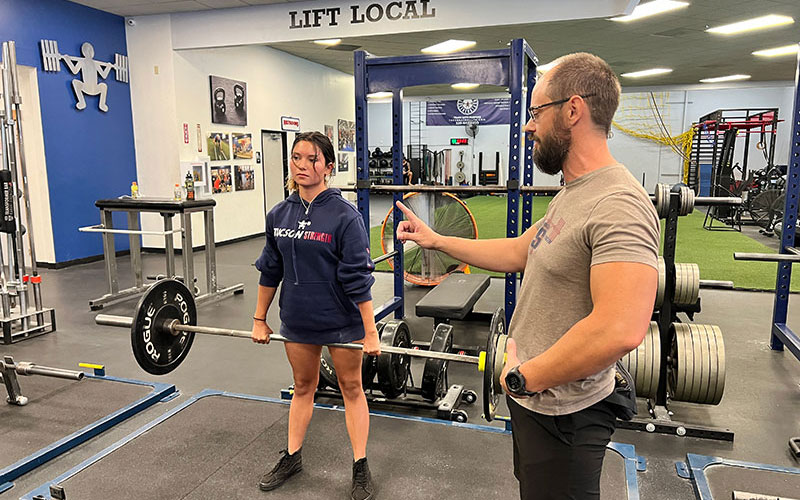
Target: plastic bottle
x,y
178,192
134,190
189,186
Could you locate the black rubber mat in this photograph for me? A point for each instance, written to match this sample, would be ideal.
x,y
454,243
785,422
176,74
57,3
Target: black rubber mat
x,y
724,479
56,408
219,446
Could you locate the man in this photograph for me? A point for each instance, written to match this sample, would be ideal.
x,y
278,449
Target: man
x,y
589,286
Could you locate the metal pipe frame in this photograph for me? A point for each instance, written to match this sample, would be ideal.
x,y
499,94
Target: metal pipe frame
x,y
502,67
781,334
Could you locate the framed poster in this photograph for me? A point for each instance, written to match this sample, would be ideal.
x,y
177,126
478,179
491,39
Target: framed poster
x,y
228,101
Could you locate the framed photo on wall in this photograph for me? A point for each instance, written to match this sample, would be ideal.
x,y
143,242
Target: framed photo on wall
x,y
344,162
219,148
221,179
243,178
347,135
228,101
242,146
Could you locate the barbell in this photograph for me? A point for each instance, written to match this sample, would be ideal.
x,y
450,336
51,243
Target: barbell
x,y
165,322
51,60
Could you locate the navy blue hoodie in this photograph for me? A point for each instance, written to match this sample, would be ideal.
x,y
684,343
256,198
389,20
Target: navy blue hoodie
x,y
322,256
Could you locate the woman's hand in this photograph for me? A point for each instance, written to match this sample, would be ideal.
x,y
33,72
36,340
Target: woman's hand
x,y
261,332
372,344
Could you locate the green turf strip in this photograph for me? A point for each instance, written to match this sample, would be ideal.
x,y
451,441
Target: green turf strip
x,y
711,250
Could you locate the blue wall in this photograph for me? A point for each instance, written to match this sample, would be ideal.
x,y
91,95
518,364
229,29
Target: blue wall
x,y
89,153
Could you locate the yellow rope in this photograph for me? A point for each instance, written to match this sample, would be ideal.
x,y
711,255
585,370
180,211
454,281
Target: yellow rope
x,y
683,141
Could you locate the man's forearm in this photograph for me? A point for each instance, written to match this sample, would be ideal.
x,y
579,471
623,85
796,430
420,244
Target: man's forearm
x,y
589,347
500,255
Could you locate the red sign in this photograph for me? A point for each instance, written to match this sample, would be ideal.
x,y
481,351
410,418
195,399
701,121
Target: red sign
x,y
290,124
186,133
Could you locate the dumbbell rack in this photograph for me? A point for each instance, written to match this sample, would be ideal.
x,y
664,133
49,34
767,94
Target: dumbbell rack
x,y
660,420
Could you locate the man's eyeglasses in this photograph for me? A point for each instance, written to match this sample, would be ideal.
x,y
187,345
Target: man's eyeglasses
x,y
533,109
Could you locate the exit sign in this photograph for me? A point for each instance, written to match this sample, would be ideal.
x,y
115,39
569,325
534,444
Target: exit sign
x,y
459,141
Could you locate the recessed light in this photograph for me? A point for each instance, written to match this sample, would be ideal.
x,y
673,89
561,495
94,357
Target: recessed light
x,y
651,9
647,72
465,86
379,95
729,78
329,41
448,47
786,50
757,23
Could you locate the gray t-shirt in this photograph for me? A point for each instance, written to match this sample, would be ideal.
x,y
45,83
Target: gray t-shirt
x,y
603,216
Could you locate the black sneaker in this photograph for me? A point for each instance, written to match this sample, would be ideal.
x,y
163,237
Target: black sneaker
x,y
362,481
287,466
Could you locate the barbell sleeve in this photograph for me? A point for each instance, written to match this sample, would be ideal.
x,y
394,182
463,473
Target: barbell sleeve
x,y
766,257
174,327
26,368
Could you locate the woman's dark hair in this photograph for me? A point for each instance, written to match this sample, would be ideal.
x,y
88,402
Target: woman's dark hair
x,y
320,141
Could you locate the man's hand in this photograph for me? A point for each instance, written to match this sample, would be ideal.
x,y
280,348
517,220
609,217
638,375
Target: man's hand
x,y
511,361
261,332
415,230
372,344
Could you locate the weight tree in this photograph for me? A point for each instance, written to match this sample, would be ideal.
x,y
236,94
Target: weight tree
x,y
513,67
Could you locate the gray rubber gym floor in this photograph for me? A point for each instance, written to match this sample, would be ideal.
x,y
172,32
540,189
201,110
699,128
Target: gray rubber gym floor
x,y
761,402
57,408
219,446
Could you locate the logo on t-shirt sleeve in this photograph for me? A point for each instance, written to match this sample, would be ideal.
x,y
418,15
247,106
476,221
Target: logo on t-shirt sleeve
x,y
547,232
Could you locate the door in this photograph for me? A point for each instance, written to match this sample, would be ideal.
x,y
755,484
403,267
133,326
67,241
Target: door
x,y
275,166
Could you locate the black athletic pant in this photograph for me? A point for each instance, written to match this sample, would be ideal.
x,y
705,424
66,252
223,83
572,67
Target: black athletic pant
x,y
560,458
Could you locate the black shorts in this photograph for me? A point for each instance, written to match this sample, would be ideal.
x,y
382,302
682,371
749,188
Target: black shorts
x,y
560,458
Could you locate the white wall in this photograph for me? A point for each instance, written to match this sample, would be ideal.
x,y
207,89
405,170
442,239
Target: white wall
x,y
278,84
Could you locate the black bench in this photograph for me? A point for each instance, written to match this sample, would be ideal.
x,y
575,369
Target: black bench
x,y
451,299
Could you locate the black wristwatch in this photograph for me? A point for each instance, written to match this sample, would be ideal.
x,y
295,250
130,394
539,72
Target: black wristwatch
x,y
515,382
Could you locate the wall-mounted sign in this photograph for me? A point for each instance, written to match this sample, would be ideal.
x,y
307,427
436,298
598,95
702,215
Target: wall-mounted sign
x,y
468,111
290,124
358,14
186,133
91,71
459,141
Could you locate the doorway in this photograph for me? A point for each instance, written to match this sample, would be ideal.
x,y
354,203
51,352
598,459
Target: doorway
x,y
275,167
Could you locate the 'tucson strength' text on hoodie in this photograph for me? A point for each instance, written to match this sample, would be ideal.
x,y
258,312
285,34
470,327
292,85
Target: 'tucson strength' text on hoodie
x,y
321,253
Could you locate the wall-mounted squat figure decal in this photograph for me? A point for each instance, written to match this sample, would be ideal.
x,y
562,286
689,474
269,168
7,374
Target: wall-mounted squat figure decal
x,y
88,68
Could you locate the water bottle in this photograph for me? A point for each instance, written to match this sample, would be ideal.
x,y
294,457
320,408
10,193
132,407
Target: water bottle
x,y
178,192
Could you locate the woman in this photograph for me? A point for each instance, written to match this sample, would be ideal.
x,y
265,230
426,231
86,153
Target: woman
x,y
318,246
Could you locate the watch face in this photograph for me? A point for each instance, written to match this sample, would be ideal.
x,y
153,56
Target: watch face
x,y
513,383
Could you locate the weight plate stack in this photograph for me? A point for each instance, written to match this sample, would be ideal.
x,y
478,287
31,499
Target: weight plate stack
x,y
434,375
697,364
687,283
393,369
662,200
644,363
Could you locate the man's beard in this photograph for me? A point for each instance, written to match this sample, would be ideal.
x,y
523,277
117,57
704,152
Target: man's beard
x,y
551,152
